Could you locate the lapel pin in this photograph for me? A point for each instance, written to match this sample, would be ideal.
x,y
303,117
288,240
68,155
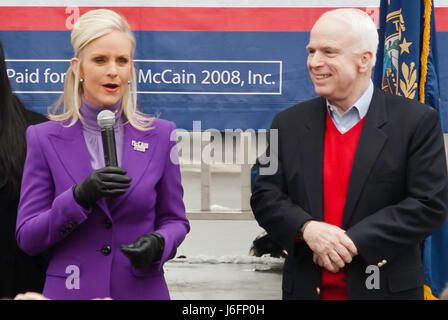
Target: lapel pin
x,y
139,145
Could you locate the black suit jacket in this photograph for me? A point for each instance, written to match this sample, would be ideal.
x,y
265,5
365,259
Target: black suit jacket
x,y
18,271
397,195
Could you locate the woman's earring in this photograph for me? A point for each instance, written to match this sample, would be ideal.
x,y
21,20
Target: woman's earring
x,y
129,82
81,80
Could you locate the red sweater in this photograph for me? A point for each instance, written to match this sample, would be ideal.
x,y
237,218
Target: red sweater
x,y
339,151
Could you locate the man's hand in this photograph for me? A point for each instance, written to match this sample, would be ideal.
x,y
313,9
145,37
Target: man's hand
x,y
330,266
330,244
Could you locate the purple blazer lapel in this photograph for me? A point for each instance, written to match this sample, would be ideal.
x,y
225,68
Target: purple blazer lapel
x,y
138,150
70,147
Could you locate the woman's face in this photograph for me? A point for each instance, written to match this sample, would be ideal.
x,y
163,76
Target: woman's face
x,y
106,69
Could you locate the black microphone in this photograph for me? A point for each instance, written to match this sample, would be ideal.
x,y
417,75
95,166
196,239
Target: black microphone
x,y
106,120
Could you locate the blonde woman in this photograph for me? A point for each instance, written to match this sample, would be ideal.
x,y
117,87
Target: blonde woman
x,y
110,228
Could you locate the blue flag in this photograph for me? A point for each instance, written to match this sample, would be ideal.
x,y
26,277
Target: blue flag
x,y
407,66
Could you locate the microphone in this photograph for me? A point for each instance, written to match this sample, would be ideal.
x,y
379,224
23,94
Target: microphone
x,y
106,120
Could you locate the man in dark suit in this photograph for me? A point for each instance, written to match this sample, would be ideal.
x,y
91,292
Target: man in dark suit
x,y
361,179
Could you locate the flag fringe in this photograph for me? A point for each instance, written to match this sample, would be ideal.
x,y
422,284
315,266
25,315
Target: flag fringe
x,y
425,49
427,293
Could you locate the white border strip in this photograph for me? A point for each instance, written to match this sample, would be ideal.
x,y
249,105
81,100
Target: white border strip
x,y
218,61
174,92
210,92
205,3
40,92
441,3
38,60
171,92
195,3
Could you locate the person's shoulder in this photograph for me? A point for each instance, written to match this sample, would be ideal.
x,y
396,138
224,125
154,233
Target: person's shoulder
x,y
47,127
152,126
33,117
405,113
405,106
163,122
298,111
162,125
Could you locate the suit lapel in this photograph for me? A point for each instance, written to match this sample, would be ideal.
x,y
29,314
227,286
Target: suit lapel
x,y
70,147
312,141
135,162
370,144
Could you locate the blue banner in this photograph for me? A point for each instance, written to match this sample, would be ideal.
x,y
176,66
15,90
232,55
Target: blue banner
x,y
229,67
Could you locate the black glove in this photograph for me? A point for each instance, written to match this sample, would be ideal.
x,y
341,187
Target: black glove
x,y
147,249
107,182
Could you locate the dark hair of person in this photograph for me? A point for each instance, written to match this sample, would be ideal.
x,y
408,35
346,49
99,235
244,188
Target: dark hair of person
x,y
12,133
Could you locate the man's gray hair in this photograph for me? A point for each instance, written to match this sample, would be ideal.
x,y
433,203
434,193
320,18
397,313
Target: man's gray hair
x,y
365,33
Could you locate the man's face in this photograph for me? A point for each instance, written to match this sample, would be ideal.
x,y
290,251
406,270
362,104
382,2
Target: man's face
x,y
333,67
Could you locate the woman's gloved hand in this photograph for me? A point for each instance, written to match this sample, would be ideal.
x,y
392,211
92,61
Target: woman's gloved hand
x,y
147,249
109,182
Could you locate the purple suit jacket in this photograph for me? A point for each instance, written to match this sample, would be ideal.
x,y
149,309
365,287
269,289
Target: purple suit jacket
x,y
87,262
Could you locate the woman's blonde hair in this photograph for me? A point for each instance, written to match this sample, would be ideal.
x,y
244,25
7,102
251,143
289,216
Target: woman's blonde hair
x,y
90,26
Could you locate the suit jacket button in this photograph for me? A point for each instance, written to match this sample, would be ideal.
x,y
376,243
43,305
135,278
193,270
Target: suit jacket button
x,y
73,223
318,290
106,250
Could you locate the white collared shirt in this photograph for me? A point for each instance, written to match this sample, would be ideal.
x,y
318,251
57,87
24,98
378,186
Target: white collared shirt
x,y
355,113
